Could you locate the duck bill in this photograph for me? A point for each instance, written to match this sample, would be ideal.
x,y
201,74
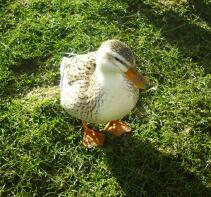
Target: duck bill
x,y
137,78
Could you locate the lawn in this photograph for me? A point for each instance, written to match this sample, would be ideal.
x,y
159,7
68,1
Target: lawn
x,y
169,152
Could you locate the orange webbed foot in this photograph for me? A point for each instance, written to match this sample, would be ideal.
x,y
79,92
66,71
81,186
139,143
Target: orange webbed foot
x,y
92,138
117,128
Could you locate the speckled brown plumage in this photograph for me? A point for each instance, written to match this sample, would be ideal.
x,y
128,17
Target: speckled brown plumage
x,y
79,70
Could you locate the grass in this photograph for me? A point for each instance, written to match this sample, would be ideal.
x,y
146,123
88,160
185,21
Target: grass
x,y
169,153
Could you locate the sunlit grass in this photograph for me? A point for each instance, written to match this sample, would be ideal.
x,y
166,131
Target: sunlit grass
x,y
169,153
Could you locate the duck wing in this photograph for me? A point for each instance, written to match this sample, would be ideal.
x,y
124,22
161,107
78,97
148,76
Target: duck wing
x,y
77,68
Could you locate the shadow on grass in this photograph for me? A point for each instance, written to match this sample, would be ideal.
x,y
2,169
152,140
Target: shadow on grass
x,y
141,170
23,68
26,66
22,75
202,9
192,40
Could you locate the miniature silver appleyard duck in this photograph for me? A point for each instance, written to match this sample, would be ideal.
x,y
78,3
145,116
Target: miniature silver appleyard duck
x,y
101,87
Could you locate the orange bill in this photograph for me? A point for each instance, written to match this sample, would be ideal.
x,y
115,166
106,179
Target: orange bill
x,y
137,78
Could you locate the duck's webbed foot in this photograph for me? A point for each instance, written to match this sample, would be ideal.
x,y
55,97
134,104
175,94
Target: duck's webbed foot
x,y
117,128
92,138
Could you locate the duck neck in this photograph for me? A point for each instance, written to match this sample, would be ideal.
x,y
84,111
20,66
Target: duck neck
x,y
106,79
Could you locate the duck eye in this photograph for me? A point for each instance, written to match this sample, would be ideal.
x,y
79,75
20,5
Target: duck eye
x,y
117,59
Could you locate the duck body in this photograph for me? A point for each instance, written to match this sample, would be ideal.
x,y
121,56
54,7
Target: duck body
x,y
92,95
101,87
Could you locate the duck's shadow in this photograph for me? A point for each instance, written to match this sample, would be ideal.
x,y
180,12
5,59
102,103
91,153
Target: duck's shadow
x,y
142,170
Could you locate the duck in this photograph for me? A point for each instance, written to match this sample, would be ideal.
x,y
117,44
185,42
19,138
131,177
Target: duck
x,y
101,87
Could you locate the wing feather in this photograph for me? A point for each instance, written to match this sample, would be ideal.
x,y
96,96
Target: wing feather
x,y
78,68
